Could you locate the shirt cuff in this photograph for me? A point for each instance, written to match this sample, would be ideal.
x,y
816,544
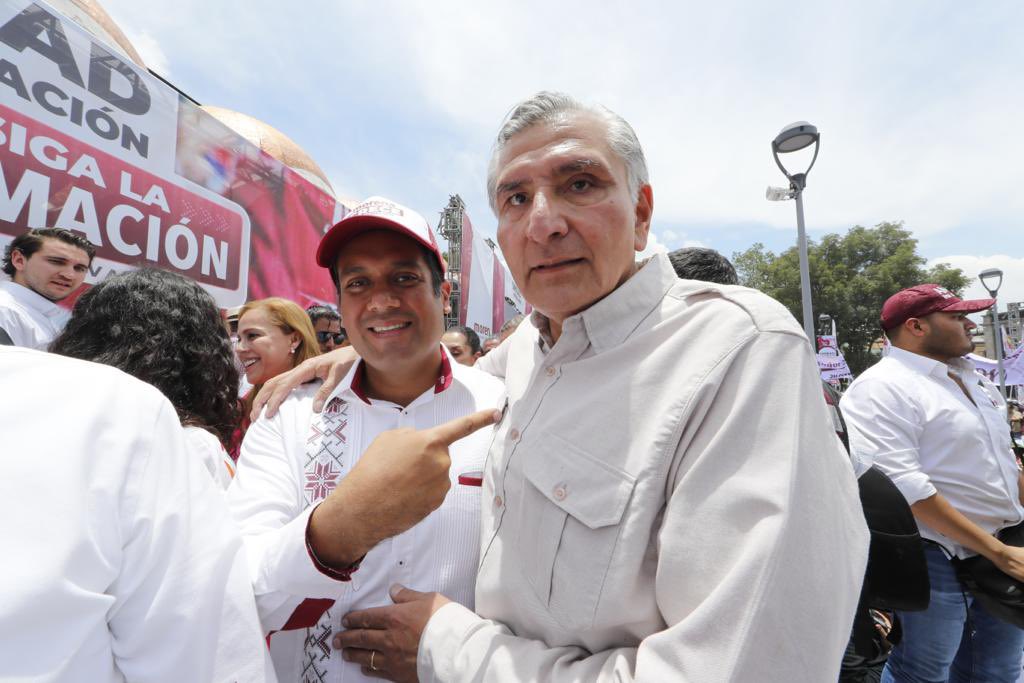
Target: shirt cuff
x,y
915,486
344,574
288,565
443,636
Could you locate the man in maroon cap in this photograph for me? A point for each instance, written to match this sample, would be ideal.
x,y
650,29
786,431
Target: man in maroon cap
x,y
938,429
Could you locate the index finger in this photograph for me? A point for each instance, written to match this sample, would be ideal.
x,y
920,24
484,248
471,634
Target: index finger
x,y
461,427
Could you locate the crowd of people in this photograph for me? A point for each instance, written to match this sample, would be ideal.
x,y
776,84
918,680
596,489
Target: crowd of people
x,y
645,479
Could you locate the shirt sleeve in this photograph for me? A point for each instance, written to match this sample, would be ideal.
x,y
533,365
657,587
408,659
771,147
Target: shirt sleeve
x,y
183,608
757,580
883,427
494,362
13,326
266,501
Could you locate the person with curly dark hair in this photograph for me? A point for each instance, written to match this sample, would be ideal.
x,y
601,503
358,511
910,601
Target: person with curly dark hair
x,y
164,329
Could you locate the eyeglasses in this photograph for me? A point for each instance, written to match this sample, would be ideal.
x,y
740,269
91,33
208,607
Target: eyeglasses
x,y
322,337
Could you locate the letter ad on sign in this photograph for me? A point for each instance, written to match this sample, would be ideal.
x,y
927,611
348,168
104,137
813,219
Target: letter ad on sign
x,y
92,142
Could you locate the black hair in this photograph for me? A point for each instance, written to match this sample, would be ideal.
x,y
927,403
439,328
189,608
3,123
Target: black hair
x,y
317,312
31,241
436,274
706,265
165,330
472,338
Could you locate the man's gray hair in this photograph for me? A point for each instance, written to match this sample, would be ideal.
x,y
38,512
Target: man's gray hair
x,y
550,107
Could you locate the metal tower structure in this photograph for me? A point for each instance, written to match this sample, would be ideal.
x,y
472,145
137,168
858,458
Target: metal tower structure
x,y
450,229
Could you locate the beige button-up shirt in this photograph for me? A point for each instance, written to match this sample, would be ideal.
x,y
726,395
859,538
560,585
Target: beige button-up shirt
x,y
665,500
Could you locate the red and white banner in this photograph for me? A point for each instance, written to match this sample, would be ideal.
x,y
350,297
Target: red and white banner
x,y
91,142
489,295
831,363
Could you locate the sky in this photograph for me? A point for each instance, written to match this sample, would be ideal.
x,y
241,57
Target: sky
x,y
919,104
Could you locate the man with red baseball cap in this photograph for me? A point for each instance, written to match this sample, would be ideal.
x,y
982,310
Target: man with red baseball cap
x,y
938,429
336,507
922,300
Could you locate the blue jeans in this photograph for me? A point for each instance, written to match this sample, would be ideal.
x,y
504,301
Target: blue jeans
x,y
940,644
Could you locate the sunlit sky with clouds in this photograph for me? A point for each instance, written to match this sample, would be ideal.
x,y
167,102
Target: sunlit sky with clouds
x,y
920,103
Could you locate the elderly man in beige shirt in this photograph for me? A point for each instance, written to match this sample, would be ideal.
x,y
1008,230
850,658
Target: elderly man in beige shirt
x,y
665,498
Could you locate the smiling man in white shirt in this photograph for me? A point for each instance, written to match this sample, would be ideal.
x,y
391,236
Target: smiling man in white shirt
x,y
665,499
388,269
46,265
938,429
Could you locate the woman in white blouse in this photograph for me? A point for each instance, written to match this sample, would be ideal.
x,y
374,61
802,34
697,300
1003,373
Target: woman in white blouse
x,y
166,330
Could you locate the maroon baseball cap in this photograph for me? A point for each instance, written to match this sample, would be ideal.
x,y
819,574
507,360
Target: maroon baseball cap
x,y
377,213
922,300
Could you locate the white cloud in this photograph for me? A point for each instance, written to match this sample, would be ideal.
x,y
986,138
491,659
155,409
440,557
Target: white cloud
x,y
654,246
918,117
149,49
1012,289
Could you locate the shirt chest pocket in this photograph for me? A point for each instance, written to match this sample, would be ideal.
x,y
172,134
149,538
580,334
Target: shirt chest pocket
x,y
570,514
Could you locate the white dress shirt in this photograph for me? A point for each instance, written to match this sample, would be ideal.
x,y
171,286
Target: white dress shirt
x,y
269,499
121,561
665,500
208,448
31,320
907,415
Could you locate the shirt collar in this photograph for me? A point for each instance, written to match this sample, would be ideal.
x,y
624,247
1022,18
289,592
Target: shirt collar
x,y
930,366
611,320
355,380
27,297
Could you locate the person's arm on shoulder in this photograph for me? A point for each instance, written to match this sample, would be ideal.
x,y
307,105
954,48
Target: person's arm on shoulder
x,y
767,568
330,367
496,360
183,607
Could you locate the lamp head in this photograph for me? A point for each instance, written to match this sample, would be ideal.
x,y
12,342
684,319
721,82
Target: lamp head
x,y
793,138
990,276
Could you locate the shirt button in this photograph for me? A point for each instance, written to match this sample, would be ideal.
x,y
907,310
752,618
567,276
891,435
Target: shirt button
x,y
498,501
513,434
560,493
549,371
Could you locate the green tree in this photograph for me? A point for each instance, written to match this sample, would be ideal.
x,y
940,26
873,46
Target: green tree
x,y
851,277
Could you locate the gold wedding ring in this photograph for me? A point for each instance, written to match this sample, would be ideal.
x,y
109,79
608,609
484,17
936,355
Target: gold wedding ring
x,y
373,653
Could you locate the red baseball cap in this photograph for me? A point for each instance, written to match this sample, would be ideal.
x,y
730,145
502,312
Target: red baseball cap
x,y
922,300
377,213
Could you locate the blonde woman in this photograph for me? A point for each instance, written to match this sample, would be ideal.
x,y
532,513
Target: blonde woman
x,y
274,335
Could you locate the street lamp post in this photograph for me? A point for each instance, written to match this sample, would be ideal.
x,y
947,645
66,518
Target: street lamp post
x,y
992,280
793,138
